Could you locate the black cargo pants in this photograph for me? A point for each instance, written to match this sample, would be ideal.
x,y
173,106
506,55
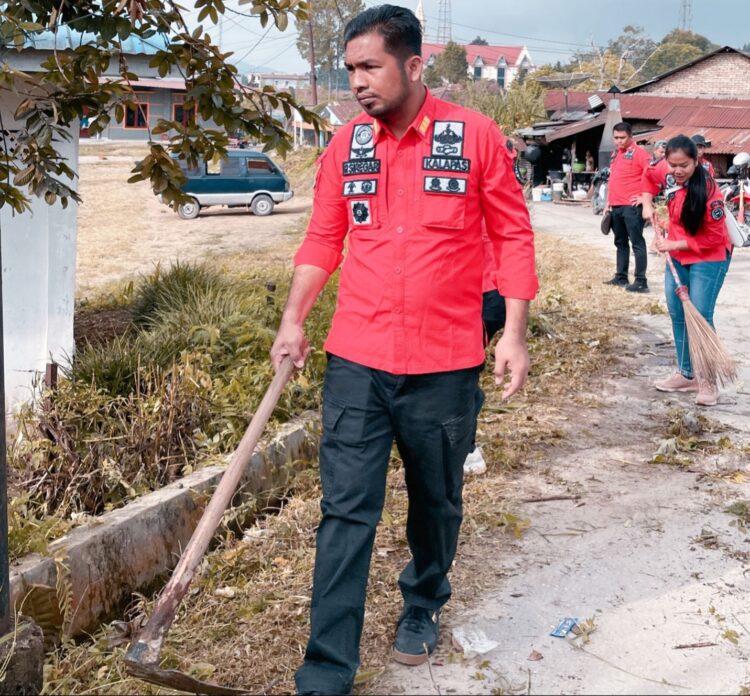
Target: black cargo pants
x,y
431,417
627,228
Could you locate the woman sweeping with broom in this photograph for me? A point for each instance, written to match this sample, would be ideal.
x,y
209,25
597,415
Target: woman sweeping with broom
x,y
698,254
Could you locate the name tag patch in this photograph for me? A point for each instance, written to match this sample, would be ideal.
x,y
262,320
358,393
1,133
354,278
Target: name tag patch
x,y
361,212
445,184
446,164
366,166
363,142
359,187
448,139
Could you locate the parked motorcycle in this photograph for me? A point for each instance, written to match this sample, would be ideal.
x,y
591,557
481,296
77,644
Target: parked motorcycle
x,y
599,183
736,192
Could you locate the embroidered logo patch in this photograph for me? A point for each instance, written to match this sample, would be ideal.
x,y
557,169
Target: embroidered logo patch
x,y
670,181
359,187
717,210
445,184
363,142
448,139
446,164
361,212
629,154
365,166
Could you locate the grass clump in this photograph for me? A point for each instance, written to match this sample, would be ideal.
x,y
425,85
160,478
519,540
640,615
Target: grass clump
x,y
173,390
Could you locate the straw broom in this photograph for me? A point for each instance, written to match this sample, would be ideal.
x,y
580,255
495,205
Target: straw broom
x,y
710,359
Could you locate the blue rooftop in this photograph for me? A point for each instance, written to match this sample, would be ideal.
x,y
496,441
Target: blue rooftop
x,y
68,39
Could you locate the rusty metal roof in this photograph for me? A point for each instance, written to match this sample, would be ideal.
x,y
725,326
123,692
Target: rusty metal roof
x,y
727,116
724,141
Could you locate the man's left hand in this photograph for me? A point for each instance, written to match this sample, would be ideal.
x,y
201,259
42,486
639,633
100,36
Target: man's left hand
x,y
512,356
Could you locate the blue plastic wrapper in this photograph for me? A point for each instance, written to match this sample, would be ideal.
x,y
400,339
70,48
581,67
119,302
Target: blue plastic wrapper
x,y
564,627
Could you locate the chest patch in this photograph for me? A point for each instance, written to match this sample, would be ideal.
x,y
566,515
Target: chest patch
x,y
365,166
445,184
670,181
446,164
629,155
361,212
361,187
448,139
363,142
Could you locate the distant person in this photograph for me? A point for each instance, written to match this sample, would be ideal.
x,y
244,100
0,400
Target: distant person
x,y
701,250
589,161
629,161
701,144
660,148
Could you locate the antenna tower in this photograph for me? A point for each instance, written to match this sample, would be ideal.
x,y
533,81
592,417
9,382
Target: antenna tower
x,y
444,34
686,15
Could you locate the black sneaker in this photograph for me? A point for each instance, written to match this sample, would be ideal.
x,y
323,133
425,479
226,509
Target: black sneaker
x,y
416,635
637,286
622,282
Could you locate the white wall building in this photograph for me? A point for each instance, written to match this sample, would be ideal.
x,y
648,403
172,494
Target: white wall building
x,y
500,64
39,263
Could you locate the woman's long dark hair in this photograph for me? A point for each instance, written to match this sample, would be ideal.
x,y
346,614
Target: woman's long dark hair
x,y
699,186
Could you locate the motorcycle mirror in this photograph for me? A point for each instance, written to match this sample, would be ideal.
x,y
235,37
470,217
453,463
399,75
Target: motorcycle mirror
x,y
532,153
732,171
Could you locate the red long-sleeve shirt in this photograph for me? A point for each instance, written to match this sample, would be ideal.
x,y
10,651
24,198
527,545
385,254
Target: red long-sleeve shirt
x,y
625,172
411,212
712,242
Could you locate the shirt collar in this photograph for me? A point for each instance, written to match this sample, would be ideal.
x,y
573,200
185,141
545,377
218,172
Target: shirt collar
x,y
422,123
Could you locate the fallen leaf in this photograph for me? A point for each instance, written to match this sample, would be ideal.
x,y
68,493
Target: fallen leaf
x,y
226,592
535,656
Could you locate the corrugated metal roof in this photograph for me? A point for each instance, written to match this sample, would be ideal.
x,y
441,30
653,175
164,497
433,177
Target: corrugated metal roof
x,y
578,127
490,55
724,141
709,116
69,39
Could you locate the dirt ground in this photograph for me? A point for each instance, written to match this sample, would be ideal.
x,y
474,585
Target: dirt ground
x,y
124,230
644,550
641,547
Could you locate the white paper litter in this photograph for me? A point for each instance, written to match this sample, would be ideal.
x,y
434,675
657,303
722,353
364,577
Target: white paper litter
x,y
472,642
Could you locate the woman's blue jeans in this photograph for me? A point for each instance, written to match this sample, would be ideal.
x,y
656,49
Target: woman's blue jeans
x,y
704,281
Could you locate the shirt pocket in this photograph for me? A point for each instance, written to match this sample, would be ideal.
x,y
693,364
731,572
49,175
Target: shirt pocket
x,y
444,202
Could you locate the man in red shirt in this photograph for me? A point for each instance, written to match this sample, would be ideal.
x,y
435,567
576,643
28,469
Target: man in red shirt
x,y
701,143
623,194
407,185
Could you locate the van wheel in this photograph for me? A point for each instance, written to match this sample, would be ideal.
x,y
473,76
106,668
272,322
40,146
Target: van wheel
x,y
262,205
189,210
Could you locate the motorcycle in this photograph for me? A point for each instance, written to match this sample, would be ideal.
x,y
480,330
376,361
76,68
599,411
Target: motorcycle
x,y
736,192
599,183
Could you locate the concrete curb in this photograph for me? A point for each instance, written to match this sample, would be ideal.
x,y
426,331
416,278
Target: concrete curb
x,y
127,550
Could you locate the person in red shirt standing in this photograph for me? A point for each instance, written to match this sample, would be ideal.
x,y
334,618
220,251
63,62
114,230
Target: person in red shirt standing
x,y
701,250
623,195
701,143
407,185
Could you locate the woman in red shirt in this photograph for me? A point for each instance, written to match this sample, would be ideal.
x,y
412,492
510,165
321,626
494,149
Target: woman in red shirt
x,y
701,250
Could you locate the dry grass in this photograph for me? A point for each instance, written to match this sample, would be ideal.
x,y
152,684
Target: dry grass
x,y
252,633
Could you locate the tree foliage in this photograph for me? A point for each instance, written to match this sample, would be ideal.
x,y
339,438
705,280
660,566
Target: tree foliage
x,y
479,41
74,83
451,65
517,107
328,17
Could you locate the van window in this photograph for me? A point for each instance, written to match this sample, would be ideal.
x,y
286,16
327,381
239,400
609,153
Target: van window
x,y
187,171
232,167
259,166
213,166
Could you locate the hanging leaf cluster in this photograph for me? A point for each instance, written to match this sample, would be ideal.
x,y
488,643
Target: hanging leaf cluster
x,y
95,80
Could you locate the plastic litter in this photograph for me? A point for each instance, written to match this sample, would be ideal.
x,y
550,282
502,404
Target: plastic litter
x,y
472,642
564,627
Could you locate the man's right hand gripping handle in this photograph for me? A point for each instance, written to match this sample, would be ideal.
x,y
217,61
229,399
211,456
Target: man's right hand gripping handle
x,y
291,341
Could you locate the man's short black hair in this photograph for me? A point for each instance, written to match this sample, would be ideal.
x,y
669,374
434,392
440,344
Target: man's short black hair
x,y
623,127
399,27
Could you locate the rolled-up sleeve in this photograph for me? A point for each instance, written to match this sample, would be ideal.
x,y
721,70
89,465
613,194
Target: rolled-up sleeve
x,y
324,240
507,219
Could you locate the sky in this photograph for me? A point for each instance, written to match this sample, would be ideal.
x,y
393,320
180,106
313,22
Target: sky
x,y
550,29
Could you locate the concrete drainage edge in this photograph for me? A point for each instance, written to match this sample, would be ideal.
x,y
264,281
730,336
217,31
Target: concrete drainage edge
x,y
126,550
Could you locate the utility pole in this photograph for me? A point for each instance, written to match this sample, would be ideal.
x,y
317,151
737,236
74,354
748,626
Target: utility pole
x,y
686,15
313,77
5,616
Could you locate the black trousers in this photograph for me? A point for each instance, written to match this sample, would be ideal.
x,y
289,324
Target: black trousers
x,y
627,226
431,417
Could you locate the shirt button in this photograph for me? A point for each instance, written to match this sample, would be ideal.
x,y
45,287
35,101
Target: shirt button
x,y
397,270
401,192
400,230
397,310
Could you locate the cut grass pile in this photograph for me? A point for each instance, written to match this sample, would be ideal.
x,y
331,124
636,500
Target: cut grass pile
x,y
245,622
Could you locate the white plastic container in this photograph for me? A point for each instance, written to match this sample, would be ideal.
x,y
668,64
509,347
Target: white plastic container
x,y
536,194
